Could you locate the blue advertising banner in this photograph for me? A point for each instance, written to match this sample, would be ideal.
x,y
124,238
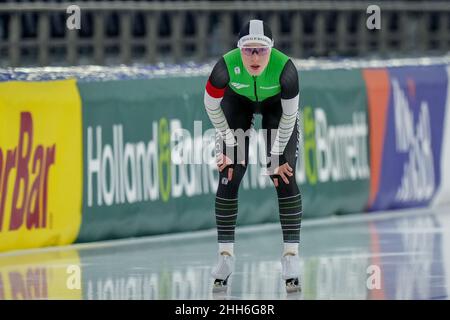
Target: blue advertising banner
x,y
410,167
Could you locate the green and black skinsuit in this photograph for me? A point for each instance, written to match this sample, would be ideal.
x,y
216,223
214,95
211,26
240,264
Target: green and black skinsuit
x,y
232,98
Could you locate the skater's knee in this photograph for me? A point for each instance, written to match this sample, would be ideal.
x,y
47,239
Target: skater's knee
x,y
283,188
229,187
237,174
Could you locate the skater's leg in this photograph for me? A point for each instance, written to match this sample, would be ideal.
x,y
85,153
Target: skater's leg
x,y
289,197
289,201
226,215
290,210
239,116
226,207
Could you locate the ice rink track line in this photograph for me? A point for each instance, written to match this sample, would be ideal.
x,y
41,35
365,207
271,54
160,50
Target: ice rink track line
x,y
314,222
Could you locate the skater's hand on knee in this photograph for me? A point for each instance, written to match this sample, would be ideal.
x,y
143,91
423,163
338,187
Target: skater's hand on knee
x,y
284,171
223,162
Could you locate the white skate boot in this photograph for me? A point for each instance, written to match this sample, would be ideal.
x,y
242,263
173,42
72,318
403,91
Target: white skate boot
x,y
222,271
290,272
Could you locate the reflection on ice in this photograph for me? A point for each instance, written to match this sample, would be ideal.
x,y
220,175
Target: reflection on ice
x,y
403,256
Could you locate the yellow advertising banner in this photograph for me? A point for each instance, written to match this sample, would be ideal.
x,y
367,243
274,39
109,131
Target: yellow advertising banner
x,y
40,164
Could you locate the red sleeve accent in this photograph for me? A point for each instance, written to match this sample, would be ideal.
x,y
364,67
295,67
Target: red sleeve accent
x,y
213,91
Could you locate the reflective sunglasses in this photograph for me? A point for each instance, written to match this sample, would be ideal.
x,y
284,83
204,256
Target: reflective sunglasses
x,y
260,51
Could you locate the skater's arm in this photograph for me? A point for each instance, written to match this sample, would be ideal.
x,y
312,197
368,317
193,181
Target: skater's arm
x,y
215,88
289,104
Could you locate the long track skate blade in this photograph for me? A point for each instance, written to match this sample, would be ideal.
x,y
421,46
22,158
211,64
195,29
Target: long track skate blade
x,y
293,286
220,286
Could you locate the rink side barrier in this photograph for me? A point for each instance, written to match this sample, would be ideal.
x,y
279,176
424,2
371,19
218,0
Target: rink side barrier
x,y
40,164
409,136
376,136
